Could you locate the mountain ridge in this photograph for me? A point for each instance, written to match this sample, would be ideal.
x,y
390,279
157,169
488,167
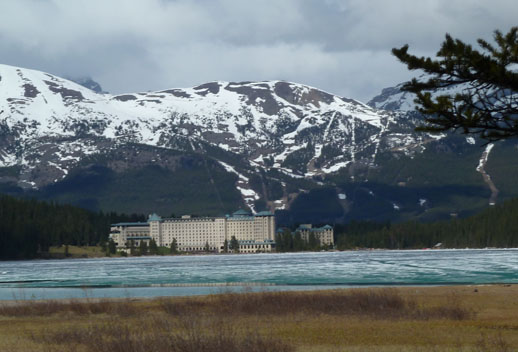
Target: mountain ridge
x,y
274,141
257,119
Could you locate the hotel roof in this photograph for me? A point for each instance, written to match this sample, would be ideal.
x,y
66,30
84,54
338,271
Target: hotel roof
x,y
264,213
131,224
314,229
154,217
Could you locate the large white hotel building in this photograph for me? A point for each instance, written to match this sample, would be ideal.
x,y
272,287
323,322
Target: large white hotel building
x,y
255,233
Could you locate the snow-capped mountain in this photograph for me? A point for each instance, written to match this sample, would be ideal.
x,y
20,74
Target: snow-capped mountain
x,y
395,99
297,129
292,135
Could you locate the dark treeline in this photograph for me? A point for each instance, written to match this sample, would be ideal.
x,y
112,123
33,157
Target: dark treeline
x,y
494,227
29,227
287,241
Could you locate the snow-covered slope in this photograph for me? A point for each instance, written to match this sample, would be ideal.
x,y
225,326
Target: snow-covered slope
x,y
299,130
394,99
402,104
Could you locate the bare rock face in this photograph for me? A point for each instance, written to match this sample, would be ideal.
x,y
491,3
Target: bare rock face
x,y
89,83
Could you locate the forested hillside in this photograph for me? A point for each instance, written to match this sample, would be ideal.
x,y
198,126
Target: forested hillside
x,y
29,227
494,227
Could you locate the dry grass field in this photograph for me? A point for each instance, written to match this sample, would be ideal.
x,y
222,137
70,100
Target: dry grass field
x,y
462,318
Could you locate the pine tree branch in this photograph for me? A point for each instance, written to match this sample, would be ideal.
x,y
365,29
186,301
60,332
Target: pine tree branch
x,y
488,102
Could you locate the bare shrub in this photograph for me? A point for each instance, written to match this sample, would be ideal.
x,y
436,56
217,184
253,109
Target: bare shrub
x,y
445,312
31,308
493,343
176,307
452,309
188,335
80,307
380,304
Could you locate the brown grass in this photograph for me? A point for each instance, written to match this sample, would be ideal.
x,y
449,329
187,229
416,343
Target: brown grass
x,y
377,304
493,343
79,307
403,319
164,335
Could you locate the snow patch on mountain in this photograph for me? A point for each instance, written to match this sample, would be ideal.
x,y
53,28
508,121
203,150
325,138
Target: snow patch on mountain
x,y
248,194
336,167
485,155
487,178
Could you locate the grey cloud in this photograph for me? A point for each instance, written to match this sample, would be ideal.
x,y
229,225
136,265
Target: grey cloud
x,y
342,46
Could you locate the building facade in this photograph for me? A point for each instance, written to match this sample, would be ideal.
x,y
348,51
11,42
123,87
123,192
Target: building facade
x,y
256,232
124,232
324,234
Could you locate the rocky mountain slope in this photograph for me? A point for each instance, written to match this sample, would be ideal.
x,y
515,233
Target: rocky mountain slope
x,y
265,144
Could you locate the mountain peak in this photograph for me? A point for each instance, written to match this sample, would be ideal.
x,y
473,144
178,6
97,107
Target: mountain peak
x,y
89,83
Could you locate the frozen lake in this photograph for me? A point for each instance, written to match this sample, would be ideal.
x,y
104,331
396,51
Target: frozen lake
x,y
204,274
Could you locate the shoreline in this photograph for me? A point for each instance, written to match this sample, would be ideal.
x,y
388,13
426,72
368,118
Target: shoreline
x,y
249,289
411,288
115,256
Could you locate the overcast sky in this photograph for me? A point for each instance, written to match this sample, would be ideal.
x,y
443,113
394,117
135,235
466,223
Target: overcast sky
x,y
341,46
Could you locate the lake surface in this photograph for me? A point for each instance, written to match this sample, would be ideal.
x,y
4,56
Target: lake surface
x,y
206,274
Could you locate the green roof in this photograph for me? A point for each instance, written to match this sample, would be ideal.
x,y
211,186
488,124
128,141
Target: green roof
x,y
264,213
131,224
154,217
241,212
314,229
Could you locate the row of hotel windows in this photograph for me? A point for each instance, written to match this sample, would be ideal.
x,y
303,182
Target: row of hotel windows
x,y
197,248
187,249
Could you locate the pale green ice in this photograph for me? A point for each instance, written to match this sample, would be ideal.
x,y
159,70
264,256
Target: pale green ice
x,y
205,274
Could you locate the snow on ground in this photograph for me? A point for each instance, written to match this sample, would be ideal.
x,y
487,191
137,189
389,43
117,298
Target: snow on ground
x,y
336,167
436,136
248,194
289,172
7,159
231,169
485,155
63,170
279,204
319,146
377,139
279,159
